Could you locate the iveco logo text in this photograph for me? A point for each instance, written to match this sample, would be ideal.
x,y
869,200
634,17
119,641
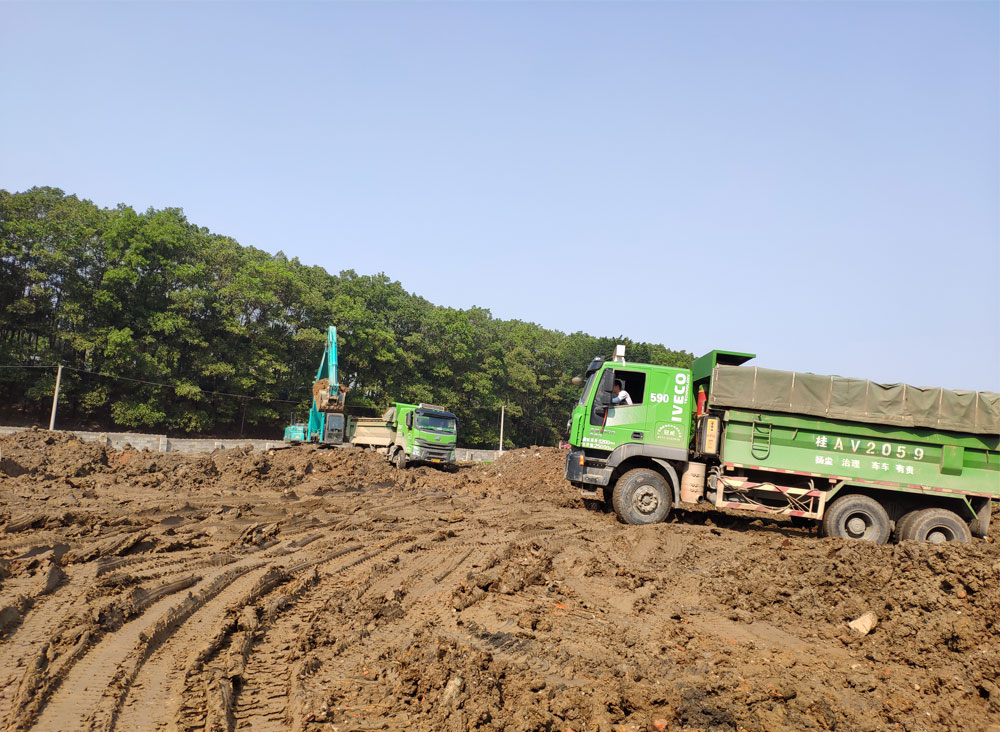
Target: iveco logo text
x,y
677,399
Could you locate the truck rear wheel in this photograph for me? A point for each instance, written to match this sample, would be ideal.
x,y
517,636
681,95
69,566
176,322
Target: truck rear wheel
x,y
642,496
937,525
855,516
903,526
400,459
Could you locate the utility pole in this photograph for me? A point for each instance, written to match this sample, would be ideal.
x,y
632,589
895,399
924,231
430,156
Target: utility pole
x,y
55,399
502,406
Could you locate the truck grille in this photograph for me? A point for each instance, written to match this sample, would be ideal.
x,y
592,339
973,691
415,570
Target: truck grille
x,y
433,451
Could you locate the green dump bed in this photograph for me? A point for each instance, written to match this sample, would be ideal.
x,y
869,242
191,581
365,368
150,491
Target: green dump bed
x,y
858,431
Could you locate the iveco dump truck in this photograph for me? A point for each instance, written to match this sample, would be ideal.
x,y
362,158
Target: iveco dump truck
x,y
863,460
409,433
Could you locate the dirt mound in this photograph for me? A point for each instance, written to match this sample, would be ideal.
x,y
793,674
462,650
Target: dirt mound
x,y
41,455
49,455
528,472
937,605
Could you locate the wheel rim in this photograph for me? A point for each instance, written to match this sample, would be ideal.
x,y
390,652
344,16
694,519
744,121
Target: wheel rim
x,y
646,499
940,534
858,525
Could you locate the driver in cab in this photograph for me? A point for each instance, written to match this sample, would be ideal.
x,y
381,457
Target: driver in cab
x,y
620,397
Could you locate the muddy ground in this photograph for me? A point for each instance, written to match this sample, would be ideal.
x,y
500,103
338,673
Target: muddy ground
x,y
323,590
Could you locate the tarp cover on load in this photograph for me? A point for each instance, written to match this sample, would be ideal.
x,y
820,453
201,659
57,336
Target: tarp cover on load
x,y
857,400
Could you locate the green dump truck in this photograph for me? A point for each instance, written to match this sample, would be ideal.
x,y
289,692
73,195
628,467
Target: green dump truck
x,y
863,460
409,433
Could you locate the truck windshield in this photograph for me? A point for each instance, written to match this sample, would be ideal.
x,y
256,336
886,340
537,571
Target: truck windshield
x,y
430,422
586,387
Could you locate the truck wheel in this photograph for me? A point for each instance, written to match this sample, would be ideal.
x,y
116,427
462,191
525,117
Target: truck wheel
x,y
938,525
980,525
400,459
641,496
903,531
857,517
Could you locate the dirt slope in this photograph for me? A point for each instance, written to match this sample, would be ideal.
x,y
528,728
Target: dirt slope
x,y
324,590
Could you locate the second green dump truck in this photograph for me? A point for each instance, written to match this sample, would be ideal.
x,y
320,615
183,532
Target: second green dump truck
x,y
863,460
408,434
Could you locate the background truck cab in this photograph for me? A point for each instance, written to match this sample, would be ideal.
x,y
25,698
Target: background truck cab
x,y
410,433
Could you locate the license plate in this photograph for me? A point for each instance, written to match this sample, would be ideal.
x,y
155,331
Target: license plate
x,y
435,460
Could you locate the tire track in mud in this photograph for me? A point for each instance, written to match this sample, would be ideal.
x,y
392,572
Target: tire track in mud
x,y
382,612
364,654
158,694
262,649
424,587
31,653
75,700
24,642
490,622
78,685
147,680
147,663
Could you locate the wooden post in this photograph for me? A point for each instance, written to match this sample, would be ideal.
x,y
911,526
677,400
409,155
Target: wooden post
x,y
502,406
55,399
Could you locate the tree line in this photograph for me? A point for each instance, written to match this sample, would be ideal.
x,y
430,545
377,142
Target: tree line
x,y
225,339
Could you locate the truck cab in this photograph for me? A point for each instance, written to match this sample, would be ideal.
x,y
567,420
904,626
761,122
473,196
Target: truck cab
x,y
425,433
609,439
409,433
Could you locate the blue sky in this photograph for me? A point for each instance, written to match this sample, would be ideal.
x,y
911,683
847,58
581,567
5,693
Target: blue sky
x,y
817,183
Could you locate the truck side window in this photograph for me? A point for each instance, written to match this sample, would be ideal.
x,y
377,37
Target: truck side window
x,y
602,398
634,382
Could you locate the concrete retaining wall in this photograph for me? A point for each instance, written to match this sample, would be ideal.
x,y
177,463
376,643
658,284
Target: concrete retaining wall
x,y
465,455
162,443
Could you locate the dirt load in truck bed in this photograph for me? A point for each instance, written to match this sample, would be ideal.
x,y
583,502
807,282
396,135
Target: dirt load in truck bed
x,y
310,589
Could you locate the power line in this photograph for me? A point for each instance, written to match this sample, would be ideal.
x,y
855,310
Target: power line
x,y
157,383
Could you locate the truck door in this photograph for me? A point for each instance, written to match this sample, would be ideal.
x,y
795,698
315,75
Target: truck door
x,y
628,421
611,424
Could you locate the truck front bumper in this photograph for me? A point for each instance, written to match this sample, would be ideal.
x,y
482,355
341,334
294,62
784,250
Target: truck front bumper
x,y
432,453
579,473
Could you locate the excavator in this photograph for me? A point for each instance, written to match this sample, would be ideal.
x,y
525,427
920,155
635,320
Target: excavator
x,y
326,417
406,434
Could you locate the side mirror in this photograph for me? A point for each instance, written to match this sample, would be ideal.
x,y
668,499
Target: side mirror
x,y
409,420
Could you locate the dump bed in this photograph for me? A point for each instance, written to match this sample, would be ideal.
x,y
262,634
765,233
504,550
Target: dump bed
x,y
855,400
375,431
859,432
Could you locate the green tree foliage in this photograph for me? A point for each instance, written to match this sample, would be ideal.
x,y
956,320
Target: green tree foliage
x,y
191,317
